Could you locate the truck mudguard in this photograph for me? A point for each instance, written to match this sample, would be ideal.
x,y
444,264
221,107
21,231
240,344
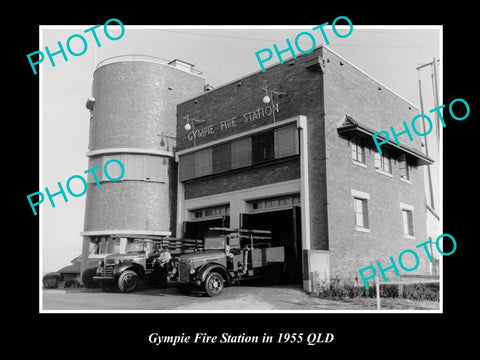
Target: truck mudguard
x,y
129,266
209,267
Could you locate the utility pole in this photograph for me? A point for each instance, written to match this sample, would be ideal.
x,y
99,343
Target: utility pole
x,y
435,97
432,64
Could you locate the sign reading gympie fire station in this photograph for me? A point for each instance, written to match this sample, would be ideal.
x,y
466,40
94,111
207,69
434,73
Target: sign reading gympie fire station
x,y
232,122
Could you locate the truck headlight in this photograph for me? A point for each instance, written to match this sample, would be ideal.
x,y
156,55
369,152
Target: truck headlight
x,y
192,269
100,263
117,262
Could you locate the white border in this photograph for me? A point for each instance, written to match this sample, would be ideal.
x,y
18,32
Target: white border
x,y
361,27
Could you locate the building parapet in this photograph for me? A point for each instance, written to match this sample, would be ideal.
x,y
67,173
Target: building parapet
x,y
153,59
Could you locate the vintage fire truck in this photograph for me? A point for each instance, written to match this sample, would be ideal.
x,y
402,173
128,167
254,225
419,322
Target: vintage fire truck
x,y
231,256
224,257
151,260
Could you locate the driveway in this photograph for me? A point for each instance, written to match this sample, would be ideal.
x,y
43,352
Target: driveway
x,y
248,298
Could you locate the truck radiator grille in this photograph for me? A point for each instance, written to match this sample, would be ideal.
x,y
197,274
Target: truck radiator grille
x,y
183,271
108,270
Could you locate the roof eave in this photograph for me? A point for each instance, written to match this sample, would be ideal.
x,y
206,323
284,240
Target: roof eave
x,y
421,158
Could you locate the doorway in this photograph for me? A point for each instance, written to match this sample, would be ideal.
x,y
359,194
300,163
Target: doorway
x,y
285,225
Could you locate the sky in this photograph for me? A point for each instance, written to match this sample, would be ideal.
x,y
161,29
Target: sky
x,y
389,54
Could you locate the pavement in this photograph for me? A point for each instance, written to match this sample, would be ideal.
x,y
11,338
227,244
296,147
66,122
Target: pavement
x,y
234,298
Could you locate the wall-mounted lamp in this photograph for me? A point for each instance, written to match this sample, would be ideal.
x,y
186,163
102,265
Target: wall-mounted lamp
x,y
90,103
190,125
190,122
167,137
269,97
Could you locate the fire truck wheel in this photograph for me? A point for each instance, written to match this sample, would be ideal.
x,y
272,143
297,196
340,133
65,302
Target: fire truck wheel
x,y
128,281
213,284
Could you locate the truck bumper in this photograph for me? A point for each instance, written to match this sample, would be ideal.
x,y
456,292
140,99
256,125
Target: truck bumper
x,y
103,278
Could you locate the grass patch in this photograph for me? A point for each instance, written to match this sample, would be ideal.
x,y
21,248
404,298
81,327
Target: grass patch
x,y
338,288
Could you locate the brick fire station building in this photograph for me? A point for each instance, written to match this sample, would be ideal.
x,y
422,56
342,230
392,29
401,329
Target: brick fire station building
x,y
290,150
287,150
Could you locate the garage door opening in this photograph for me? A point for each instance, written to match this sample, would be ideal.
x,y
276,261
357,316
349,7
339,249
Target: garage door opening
x,y
285,226
200,229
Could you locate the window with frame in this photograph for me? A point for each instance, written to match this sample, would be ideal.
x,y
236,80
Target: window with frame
x,y
212,211
263,147
221,158
104,245
407,218
155,169
404,167
241,152
93,162
134,167
358,149
203,162
383,162
140,167
360,207
269,145
94,248
286,141
186,167
275,202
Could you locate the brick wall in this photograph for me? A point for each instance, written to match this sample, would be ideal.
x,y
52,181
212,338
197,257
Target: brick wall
x,y
305,97
325,99
350,92
127,205
135,102
279,171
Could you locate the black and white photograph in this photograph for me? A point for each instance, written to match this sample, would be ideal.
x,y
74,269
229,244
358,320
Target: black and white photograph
x,y
220,180
283,184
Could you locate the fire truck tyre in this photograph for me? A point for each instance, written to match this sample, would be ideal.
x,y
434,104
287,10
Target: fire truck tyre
x,y
213,284
87,278
128,281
